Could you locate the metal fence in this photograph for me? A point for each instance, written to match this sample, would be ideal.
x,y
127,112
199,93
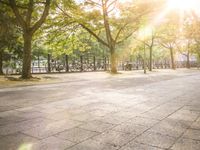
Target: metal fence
x,y
162,64
62,64
88,63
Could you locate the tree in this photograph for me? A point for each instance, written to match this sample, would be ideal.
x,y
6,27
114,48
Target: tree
x,y
151,43
184,49
150,37
168,39
108,21
194,31
27,16
4,28
9,35
63,42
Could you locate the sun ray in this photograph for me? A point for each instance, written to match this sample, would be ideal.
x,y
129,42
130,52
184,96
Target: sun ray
x,y
181,7
185,5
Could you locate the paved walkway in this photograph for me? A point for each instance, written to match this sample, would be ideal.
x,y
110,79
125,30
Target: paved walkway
x,y
96,111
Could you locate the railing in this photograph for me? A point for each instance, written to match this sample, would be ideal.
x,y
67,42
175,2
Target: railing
x,y
88,64
65,64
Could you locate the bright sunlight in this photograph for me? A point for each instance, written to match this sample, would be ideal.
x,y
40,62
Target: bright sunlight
x,y
184,5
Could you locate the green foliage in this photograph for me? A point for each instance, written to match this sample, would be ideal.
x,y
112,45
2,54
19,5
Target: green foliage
x,y
73,28
10,35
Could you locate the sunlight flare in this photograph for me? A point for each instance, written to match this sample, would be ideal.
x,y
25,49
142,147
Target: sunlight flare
x,y
26,146
145,32
185,5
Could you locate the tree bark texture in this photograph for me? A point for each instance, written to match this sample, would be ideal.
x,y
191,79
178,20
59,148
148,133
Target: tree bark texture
x,y
172,59
113,61
188,60
151,58
1,62
26,69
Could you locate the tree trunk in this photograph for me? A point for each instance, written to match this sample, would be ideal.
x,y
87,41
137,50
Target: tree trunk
x,y
172,58
49,63
26,69
188,60
110,41
1,62
198,65
113,61
151,59
144,61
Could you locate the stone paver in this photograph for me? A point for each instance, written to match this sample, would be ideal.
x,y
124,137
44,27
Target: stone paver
x,y
143,121
138,146
196,124
192,134
86,117
76,135
185,115
93,145
97,126
130,128
52,143
117,139
51,128
17,141
186,144
98,111
24,125
156,139
170,127
112,119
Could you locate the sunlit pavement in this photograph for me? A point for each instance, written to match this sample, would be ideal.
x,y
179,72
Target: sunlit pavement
x,y
97,111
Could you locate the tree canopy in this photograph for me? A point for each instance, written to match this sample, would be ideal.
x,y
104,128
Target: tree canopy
x,y
121,28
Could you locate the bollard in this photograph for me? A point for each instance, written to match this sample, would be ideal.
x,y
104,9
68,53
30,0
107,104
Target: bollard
x,y
66,63
81,60
105,65
49,65
94,62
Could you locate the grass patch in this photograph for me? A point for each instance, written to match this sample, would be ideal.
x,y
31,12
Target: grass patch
x,y
15,81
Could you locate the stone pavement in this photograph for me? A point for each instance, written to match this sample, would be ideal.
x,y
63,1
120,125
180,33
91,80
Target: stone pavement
x,y
97,111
